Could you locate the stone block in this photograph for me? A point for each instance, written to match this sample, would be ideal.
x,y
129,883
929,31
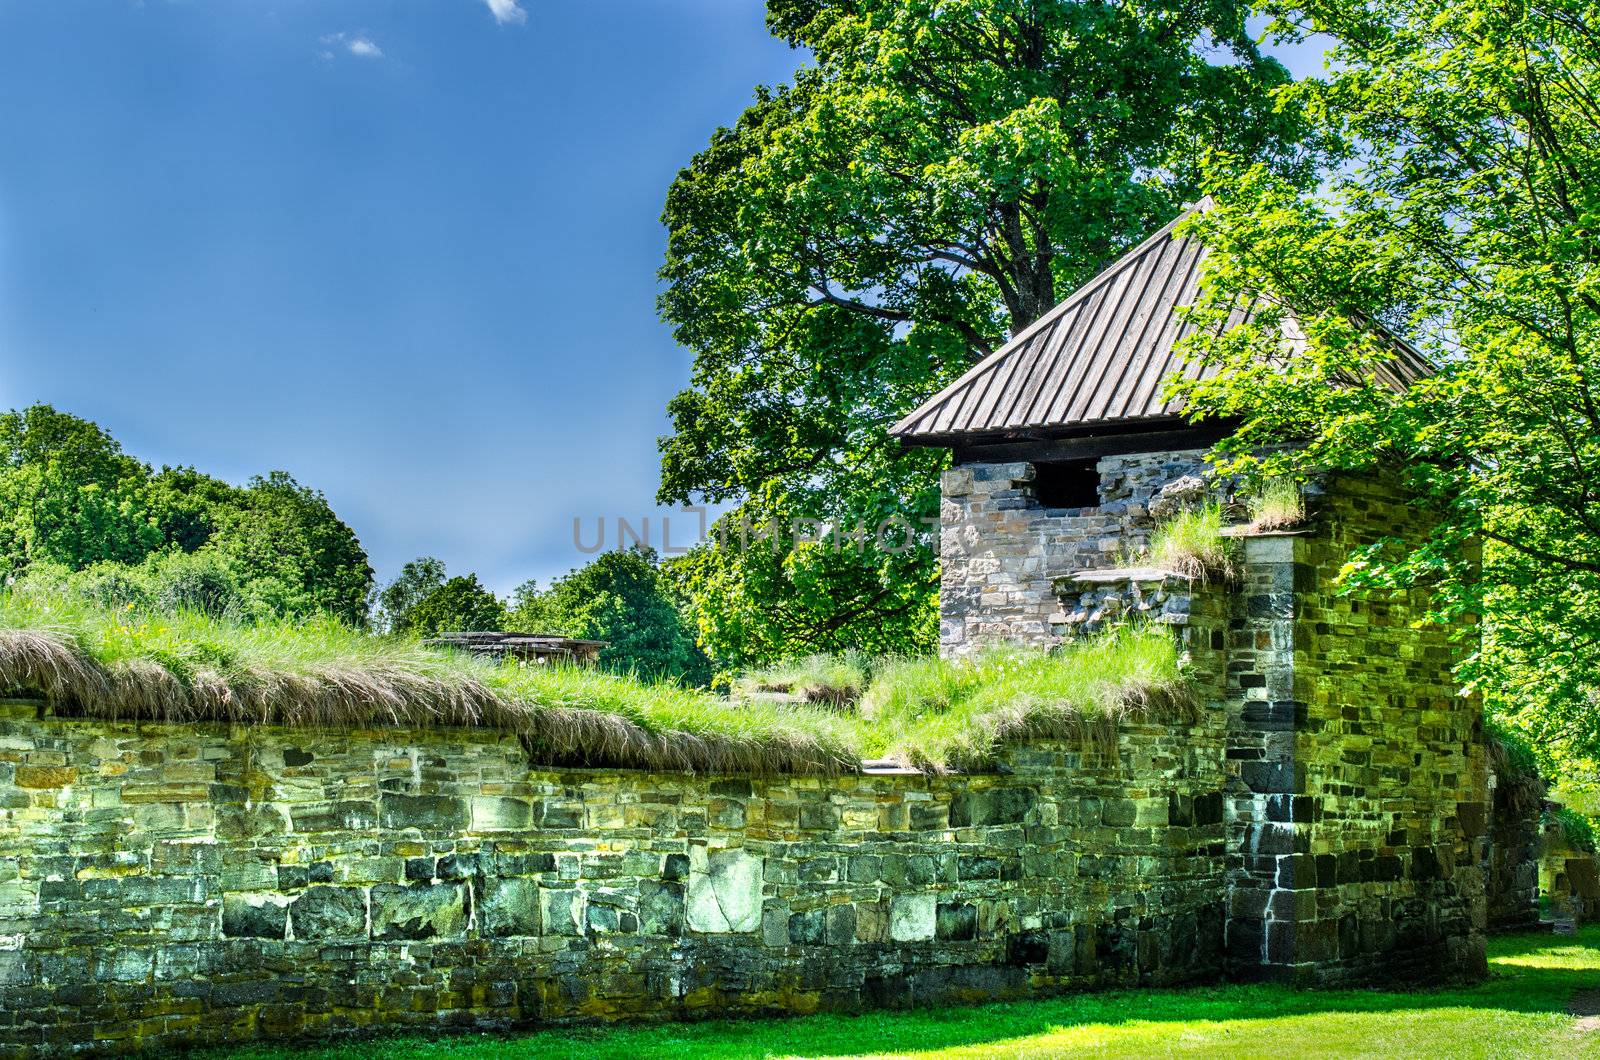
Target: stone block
x,y
499,814
913,917
661,908
559,910
428,813
808,928
326,914
840,929
509,907
724,892
255,916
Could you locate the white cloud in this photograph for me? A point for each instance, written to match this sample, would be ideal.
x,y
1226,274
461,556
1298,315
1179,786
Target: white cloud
x,y
360,44
506,12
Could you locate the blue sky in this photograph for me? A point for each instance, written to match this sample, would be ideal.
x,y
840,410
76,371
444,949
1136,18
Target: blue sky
x,y
405,250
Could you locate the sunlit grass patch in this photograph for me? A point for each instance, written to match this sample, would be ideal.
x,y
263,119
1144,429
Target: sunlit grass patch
x,y
941,714
834,680
1191,543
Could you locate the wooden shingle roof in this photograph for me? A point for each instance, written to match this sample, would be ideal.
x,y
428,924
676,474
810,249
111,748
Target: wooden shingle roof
x,y
1098,359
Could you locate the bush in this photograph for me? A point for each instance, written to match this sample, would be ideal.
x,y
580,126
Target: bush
x,y
205,582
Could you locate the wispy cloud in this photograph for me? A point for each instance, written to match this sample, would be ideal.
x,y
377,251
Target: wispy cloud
x,y
506,12
356,44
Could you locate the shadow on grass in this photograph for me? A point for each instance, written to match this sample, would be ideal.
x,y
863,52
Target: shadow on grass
x,y
1534,975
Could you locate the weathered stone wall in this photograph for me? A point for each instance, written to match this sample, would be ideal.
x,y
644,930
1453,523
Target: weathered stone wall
x,y
175,884
1358,832
1511,864
1357,823
1001,551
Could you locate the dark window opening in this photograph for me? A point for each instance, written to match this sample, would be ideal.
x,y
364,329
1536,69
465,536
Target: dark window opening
x,y
1067,484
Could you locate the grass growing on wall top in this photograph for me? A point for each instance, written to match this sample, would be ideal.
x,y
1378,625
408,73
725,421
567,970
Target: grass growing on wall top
x,y
937,713
1277,505
191,667
1191,544
837,680
321,673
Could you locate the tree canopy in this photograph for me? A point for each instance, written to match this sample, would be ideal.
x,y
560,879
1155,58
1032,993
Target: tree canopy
x,y
1461,207
621,598
70,498
462,603
938,177
416,580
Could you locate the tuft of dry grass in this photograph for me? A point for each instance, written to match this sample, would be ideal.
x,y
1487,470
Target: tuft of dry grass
x,y
1191,544
926,712
1277,505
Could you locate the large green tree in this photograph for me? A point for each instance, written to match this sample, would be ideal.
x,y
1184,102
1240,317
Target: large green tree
x,y
288,536
416,580
1461,208
69,494
623,599
939,176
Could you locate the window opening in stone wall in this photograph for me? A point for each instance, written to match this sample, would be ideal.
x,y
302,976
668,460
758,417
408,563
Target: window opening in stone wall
x,y
1067,484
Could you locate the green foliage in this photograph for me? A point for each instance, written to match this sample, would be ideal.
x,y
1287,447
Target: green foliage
x,y
623,599
756,601
1459,209
68,493
417,579
69,496
1575,828
206,582
939,175
1510,753
831,679
462,603
1191,543
301,554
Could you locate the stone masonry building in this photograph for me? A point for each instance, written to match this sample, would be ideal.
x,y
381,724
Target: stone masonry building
x,y
1356,783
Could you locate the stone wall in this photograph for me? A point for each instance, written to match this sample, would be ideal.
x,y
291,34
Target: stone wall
x,y
1358,831
164,884
1511,864
1568,879
1001,552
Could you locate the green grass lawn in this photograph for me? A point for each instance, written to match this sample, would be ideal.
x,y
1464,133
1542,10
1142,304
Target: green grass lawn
x,y
1520,1011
